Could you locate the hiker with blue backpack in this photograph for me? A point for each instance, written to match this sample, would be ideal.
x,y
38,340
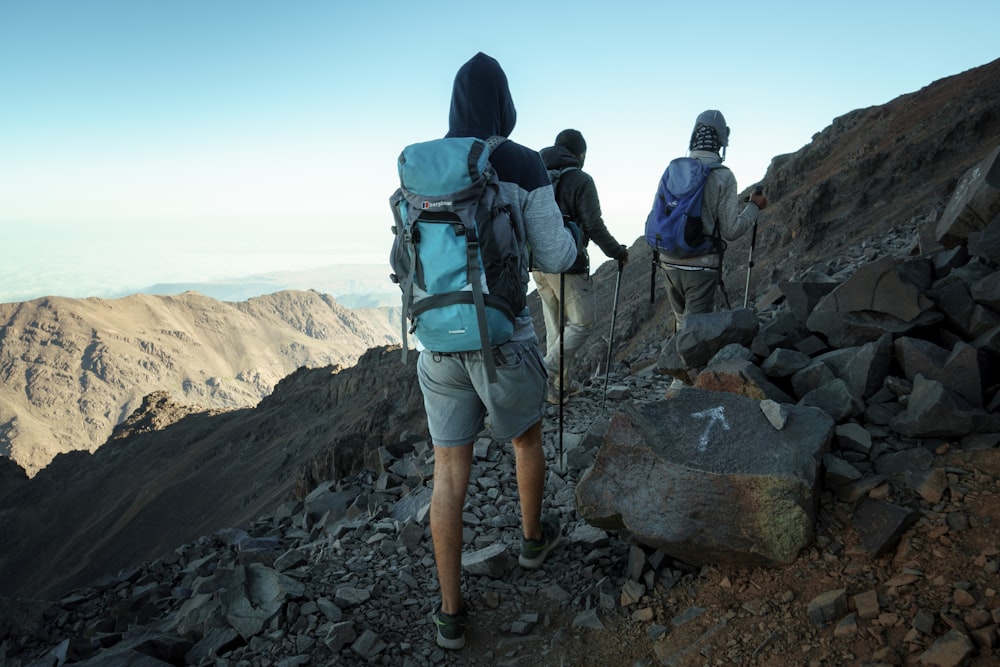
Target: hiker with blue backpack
x,y
568,298
468,207
695,212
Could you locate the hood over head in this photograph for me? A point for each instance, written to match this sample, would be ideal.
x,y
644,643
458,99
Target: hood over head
x,y
573,140
481,105
559,157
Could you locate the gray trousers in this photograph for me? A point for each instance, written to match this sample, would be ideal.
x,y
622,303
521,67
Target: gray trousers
x,y
690,292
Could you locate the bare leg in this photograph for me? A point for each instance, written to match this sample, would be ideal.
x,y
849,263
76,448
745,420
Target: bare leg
x,y
530,461
452,466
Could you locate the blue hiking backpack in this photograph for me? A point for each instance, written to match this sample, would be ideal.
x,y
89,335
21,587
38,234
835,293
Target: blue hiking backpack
x,y
457,254
674,225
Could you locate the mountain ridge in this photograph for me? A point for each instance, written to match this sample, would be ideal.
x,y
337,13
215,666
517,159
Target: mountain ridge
x,y
72,369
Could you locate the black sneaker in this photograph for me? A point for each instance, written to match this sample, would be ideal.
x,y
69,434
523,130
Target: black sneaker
x,y
533,552
450,629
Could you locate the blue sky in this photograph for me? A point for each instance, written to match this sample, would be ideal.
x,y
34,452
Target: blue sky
x,y
162,140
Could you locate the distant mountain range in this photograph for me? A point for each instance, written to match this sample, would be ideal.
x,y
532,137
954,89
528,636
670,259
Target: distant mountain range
x,y
72,369
352,285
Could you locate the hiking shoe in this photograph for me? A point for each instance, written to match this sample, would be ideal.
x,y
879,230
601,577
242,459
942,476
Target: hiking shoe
x,y
533,552
676,387
450,629
573,389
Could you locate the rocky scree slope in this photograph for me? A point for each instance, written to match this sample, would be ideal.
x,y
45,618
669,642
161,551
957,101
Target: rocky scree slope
x,y
870,176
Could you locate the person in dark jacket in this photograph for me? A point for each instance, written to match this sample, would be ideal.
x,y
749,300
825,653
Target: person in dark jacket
x,y
577,198
456,389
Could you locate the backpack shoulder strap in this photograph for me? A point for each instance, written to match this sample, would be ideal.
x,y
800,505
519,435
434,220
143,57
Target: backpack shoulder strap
x,y
494,141
716,234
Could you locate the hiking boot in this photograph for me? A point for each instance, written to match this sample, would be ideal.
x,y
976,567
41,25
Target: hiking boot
x,y
533,552
450,629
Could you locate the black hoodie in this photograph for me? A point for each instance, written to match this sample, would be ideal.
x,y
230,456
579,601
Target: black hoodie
x,y
481,106
578,201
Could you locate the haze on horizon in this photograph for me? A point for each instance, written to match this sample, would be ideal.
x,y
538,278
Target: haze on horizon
x,y
153,142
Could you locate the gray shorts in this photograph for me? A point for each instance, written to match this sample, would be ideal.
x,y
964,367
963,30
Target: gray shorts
x,y
458,395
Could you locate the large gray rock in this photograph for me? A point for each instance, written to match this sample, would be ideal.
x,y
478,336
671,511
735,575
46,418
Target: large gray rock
x,y
955,302
872,302
863,368
703,335
986,291
705,478
802,297
934,411
974,204
957,369
986,244
835,399
739,376
812,377
254,595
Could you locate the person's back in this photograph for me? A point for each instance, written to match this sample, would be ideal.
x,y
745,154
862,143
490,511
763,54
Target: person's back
x,y
572,292
576,195
457,390
692,282
482,107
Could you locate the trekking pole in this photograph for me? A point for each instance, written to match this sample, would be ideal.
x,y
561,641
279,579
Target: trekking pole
x,y
611,336
753,240
652,276
562,347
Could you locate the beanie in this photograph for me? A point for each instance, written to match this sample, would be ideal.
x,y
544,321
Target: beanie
x,y
710,131
573,141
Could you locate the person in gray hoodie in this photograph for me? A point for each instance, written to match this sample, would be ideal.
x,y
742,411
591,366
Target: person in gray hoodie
x,y
457,394
691,282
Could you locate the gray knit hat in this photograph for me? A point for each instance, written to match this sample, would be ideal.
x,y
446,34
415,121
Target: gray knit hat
x,y
710,132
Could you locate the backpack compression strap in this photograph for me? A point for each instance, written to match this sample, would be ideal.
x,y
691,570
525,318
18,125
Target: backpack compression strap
x,y
405,282
472,268
472,254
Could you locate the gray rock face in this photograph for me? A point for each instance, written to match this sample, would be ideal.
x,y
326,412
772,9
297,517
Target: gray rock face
x,y
935,411
705,478
957,368
974,204
873,301
703,336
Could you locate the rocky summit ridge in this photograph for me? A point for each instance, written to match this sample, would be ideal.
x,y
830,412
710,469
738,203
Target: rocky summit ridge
x,y
294,533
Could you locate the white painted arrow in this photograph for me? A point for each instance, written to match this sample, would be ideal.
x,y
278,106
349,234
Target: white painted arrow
x,y
716,415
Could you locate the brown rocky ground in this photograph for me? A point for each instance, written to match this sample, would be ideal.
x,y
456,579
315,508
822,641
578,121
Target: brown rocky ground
x,y
943,575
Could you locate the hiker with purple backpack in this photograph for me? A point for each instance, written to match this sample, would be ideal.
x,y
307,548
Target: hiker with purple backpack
x,y
695,211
